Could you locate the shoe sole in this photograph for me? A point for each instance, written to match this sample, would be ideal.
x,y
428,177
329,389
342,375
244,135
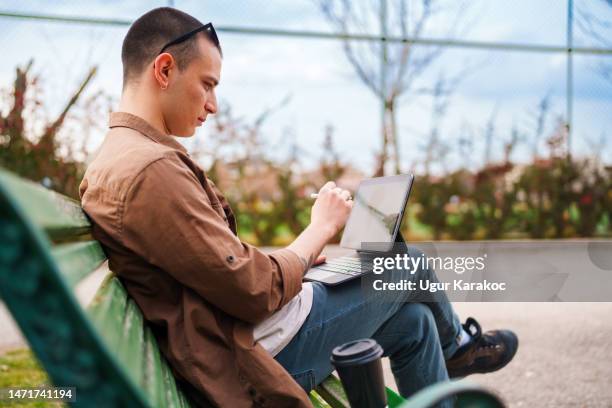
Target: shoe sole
x,y
488,370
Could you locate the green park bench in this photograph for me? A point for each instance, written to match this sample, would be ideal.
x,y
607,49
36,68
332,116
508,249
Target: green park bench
x,y
105,350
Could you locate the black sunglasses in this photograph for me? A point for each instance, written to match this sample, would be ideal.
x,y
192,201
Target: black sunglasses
x,y
208,28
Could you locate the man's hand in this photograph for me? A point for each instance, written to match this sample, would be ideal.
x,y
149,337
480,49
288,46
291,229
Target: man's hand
x,y
331,209
329,214
320,259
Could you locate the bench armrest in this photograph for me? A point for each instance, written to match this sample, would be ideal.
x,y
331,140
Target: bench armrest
x,y
467,394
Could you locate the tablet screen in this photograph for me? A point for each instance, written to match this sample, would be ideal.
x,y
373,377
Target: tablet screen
x,y
378,206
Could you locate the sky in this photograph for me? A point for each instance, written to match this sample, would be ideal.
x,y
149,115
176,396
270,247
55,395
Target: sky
x,y
260,71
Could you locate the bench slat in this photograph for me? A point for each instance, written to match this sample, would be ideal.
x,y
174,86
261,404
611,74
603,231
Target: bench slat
x,y
132,338
59,216
331,391
183,401
171,394
78,260
317,401
154,382
121,324
107,310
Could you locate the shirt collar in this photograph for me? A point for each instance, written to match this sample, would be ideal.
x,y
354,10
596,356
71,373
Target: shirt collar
x,y
124,119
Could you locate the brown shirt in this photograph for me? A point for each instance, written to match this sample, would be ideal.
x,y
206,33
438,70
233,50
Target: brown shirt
x,y
170,236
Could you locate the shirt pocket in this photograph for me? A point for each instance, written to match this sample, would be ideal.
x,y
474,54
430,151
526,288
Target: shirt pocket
x,y
305,379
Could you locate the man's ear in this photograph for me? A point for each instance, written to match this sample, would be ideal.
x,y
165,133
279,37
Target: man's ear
x,y
162,67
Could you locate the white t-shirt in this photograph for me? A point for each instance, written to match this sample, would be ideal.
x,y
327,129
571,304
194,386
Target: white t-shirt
x,y
276,331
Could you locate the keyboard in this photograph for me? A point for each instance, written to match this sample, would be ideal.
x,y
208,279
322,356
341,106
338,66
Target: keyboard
x,y
347,265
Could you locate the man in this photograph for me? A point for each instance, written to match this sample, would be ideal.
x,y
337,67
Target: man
x,y
238,326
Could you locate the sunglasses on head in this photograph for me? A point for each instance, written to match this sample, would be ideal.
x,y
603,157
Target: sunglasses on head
x,y
207,28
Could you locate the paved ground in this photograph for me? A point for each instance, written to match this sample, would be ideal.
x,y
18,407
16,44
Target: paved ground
x,y
564,358
565,353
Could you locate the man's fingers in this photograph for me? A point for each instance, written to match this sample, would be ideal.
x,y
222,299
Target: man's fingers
x,y
330,185
344,194
320,259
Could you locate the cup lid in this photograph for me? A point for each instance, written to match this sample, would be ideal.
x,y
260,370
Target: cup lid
x,y
356,352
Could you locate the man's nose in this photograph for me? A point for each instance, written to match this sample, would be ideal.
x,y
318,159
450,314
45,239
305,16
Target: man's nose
x,y
211,105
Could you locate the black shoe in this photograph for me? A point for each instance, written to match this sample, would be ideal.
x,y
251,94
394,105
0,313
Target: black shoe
x,y
484,353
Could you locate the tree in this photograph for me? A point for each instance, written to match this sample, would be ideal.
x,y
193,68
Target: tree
x,y
437,149
37,157
598,28
388,71
331,166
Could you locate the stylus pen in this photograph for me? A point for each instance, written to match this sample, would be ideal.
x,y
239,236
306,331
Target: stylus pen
x,y
315,195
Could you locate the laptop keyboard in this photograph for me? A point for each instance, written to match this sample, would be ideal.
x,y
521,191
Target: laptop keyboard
x,y
348,265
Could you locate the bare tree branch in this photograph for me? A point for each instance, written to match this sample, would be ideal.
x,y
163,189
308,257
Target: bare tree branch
x,y
403,64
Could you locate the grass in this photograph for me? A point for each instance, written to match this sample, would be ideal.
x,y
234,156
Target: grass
x,y
19,369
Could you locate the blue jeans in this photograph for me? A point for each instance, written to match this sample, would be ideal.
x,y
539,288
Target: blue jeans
x,y
417,337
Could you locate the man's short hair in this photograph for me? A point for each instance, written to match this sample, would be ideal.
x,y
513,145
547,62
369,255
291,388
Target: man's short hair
x,y
149,33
